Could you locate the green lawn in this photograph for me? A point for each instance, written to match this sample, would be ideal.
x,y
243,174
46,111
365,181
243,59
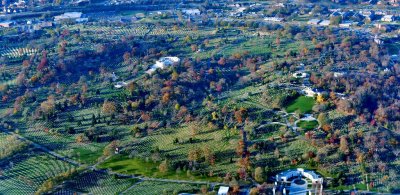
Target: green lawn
x,y
88,156
307,125
302,103
136,166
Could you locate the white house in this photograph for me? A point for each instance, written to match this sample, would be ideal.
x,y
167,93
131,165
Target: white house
x,y
162,63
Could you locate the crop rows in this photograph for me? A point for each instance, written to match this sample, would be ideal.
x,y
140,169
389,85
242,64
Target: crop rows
x,y
151,188
17,52
24,173
97,183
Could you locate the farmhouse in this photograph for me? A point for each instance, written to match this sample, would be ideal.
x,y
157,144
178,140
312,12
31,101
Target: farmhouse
x,y
162,63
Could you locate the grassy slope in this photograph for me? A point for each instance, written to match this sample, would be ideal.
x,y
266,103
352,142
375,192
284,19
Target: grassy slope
x,y
302,103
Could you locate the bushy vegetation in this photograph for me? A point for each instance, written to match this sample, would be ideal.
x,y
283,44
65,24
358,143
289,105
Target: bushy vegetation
x,y
10,145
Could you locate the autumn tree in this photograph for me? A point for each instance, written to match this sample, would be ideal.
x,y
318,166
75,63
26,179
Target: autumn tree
x,y
278,41
109,107
127,57
222,61
344,145
259,174
194,154
48,106
194,47
163,167
240,115
110,148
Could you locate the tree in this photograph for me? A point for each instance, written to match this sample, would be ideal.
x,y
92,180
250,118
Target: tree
x,y
194,47
335,20
194,154
81,138
204,189
109,107
222,61
240,114
110,148
259,174
48,106
323,119
278,41
127,57
344,145
163,167
188,39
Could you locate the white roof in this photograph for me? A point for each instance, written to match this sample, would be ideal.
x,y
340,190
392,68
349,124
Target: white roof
x,y
314,20
162,63
68,15
325,22
223,190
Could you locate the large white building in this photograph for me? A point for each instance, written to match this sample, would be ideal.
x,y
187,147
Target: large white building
x,y
299,172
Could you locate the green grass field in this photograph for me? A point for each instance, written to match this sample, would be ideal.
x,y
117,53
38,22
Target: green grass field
x,y
123,164
303,104
307,125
